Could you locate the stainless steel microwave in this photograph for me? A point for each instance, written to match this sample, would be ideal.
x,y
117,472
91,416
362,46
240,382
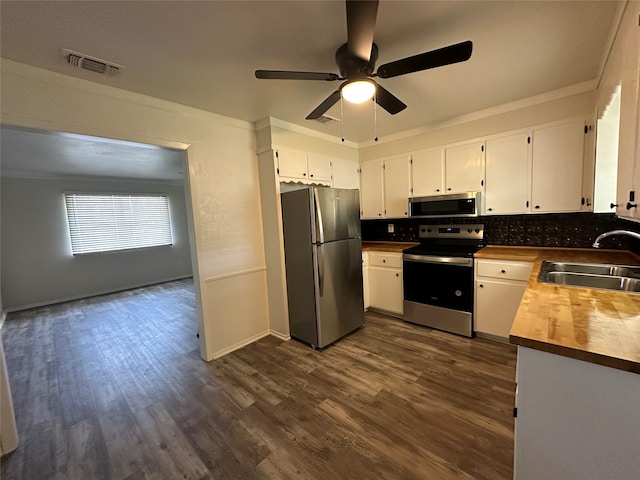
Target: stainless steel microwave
x,y
454,205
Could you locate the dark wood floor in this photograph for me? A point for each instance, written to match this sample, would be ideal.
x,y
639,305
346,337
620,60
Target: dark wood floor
x,y
113,387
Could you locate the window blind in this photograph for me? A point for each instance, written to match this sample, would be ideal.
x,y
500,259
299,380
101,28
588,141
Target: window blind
x,y
110,222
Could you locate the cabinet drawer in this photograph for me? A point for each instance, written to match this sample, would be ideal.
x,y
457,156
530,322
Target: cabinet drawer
x,y
380,259
503,269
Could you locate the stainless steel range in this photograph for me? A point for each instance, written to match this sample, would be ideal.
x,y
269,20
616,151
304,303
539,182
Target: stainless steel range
x,y
438,277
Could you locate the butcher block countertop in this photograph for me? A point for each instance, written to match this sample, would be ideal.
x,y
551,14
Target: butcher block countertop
x,y
597,326
394,247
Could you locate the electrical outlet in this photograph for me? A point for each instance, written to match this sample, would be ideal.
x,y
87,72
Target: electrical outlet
x,y
390,228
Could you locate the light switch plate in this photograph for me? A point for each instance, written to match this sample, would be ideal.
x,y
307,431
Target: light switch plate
x,y
390,228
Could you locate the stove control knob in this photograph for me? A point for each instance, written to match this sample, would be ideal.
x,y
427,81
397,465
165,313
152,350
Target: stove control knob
x,y
428,230
469,230
477,230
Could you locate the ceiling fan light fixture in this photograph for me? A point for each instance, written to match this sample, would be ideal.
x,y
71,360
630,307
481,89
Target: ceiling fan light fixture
x,y
358,91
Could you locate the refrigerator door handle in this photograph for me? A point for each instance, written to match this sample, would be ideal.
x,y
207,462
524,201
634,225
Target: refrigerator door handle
x,y
320,258
319,224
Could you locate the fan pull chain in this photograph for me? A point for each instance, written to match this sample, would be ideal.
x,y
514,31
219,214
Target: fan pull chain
x,y
375,115
341,118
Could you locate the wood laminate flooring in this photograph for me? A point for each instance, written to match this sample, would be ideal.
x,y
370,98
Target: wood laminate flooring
x,y
113,387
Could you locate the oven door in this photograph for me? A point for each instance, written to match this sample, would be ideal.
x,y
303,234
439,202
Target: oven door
x,y
445,282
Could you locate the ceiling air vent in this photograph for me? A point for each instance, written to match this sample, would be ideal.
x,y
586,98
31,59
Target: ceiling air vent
x,y
326,119
80,60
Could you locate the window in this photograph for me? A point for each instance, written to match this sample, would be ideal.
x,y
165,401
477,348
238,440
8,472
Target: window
x,y
109,222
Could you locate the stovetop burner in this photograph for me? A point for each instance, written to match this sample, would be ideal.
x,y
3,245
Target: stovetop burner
x,y
449,240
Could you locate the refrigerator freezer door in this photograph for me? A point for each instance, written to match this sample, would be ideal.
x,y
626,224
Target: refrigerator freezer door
x,y
340,308
299,265
337,214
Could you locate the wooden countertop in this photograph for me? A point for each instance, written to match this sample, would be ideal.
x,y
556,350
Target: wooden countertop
x,y
597,326
387,246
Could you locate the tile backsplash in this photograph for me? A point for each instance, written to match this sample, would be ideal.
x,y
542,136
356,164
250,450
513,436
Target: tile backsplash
x,y
571,230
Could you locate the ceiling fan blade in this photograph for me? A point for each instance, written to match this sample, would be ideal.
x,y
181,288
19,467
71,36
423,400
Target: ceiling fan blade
x,y
287,75
361,21
458,52
388,100
324,106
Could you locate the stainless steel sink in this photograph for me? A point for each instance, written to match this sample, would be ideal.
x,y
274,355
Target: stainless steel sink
x,y
622,278
595,269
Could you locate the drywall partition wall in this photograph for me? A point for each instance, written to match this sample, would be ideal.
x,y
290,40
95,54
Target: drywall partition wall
x,y
223,181
37,265
522,114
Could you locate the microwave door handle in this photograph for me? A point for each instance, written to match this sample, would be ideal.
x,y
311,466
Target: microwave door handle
x,y
319,224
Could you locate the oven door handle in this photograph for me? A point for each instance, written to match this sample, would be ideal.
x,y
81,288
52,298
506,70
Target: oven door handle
x,y
459,261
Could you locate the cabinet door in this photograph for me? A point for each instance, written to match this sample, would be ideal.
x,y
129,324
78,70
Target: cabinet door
x,y
497,302
385,289
320,168
345,174
557,159
428,173
292,164
629,134
464,168
365,280
396,187
507,174
371,198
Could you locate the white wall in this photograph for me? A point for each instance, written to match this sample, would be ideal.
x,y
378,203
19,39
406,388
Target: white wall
x,y
222,181
37,264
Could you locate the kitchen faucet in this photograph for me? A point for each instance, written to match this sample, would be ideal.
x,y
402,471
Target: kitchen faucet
x,y
596,244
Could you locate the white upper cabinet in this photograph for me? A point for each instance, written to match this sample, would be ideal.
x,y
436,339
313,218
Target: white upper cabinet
x,y
428,173
299,166
396,187
628,187
464,168
345,174
320,168
384,188
371,190
292,164
557,162
507,174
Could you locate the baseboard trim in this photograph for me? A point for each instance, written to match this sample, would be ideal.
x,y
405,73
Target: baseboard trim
x,y
279,335
243,343
90,295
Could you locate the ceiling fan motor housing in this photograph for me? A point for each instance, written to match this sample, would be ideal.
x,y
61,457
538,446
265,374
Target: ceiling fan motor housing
x,y
352,67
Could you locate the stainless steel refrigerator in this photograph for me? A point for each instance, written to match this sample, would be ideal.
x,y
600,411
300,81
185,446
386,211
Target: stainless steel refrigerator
x,y
323,258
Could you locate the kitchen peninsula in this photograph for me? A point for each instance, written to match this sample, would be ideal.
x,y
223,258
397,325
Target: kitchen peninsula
x,y
578,382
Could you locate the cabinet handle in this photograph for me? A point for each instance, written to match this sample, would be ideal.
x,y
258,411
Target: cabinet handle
x,y
449,189
537,206
437,189
379,214
631,205
304,174
613,205
311,175
481,286
397,274
490,209
503,271
384,261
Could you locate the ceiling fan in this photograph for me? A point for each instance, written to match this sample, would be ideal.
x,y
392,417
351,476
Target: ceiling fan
x,y
356,61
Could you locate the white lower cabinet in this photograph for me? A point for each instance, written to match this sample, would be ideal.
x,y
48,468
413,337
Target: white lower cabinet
x,y
385,281
499,286
575,420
